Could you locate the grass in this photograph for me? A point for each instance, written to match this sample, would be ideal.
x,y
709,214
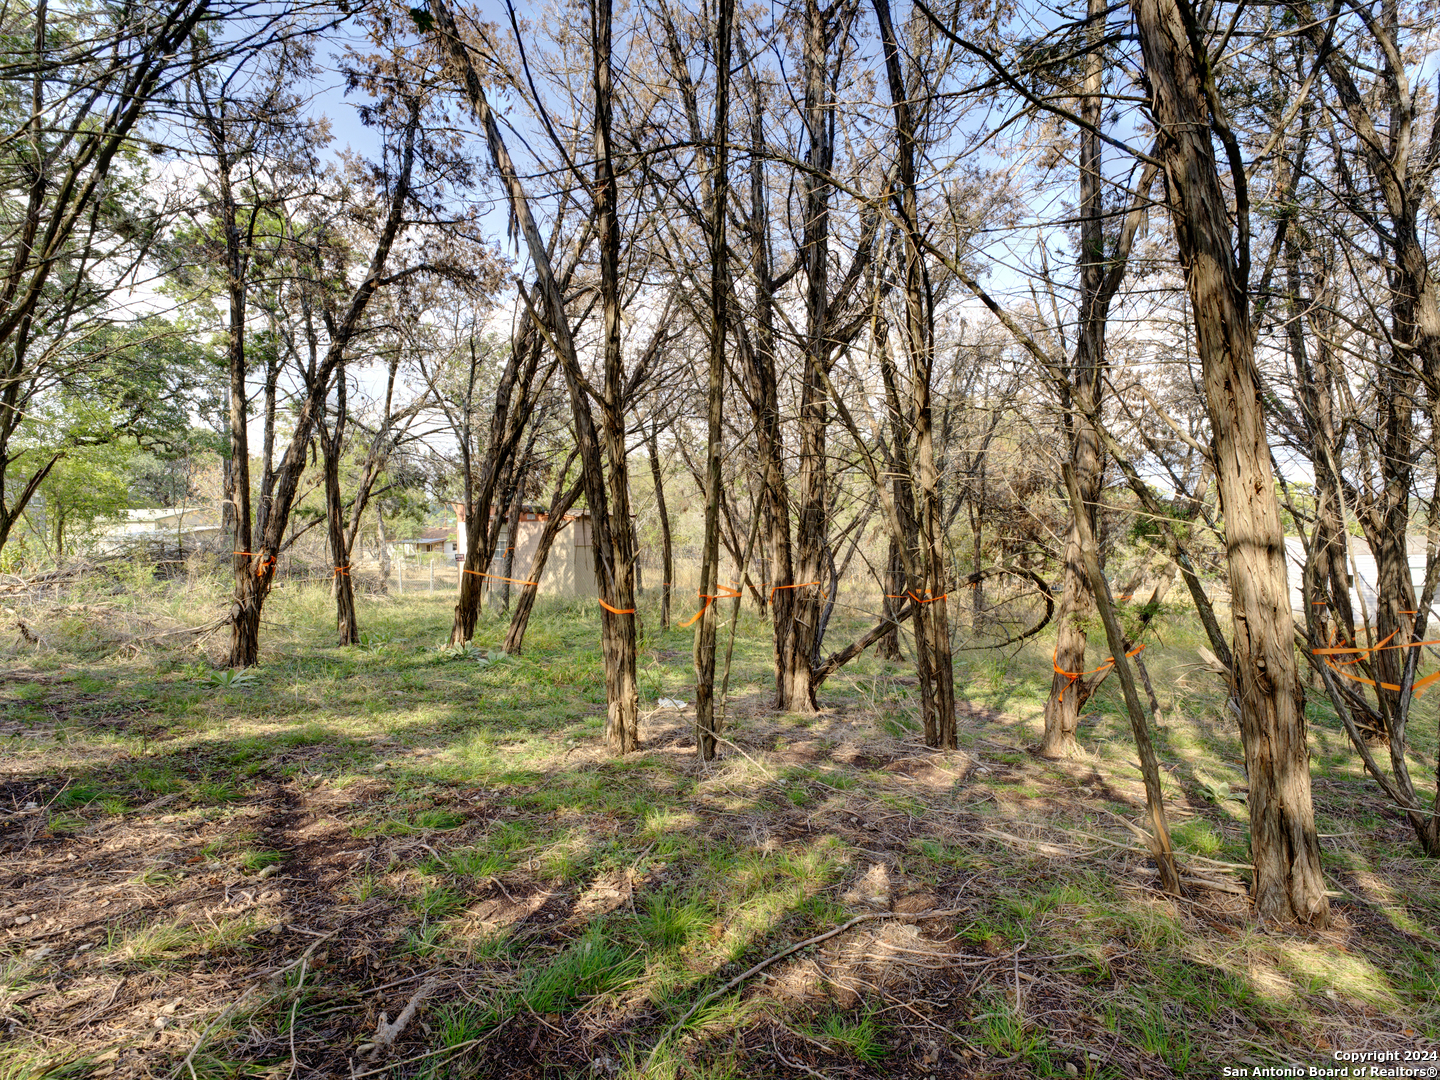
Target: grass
x,y
348,824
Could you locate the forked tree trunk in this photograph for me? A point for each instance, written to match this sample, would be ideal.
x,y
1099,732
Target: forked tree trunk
x,y
507,424
1285,850
759,347
612,532
706,722
255,571
799,650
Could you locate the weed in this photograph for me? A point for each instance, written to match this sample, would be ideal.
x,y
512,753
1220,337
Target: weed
x,y
590,965
229,679
477,863
439,820
151,945
861,1035
671,920
439,902
252,860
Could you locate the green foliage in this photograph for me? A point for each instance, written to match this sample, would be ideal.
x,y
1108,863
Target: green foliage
x,y
670,920
229,679
590,965
861,1035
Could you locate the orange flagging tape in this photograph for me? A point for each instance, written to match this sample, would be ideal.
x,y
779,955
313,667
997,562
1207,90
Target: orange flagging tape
x,y
727,592
1418,688
797,585
1076,676
497,577
917,599
265,560
616,610
341,570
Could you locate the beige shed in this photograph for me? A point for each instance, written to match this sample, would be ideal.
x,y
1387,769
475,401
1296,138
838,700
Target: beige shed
x,y
570,567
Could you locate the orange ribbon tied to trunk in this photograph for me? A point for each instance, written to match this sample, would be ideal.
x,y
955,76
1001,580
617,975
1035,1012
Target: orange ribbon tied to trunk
x,y
726,592
797,585
914,596
1418,688
1076,676
264,560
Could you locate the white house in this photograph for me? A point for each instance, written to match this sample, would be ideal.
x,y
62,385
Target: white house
x,y
443,543
178,523
1364,574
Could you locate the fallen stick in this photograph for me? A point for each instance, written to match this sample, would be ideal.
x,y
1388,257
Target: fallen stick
x,y
906,916
189,1062
386,1033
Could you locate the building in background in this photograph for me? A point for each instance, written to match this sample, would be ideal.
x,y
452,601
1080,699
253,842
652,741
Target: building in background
x,y
570,567
184,526
441,541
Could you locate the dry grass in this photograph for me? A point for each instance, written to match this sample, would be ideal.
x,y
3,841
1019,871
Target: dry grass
x,y
246,881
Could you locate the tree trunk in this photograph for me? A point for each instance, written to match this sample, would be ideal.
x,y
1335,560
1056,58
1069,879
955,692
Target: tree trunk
x,y
1067,695
384,541
345,622
667,551
613,530
756,338
799,647
1159,838
935,663
330,445
506,428
1285,850
894,586
614,549
245,610
512,541
560,504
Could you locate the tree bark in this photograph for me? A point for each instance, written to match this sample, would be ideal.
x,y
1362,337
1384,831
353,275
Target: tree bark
x,y
706,722
932,627
560,504
667,551
1285,850
1062,709
331,442
759,349
512,537
1160,846
800,646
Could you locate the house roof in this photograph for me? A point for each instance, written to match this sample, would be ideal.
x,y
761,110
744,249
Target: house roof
x,y
160,513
